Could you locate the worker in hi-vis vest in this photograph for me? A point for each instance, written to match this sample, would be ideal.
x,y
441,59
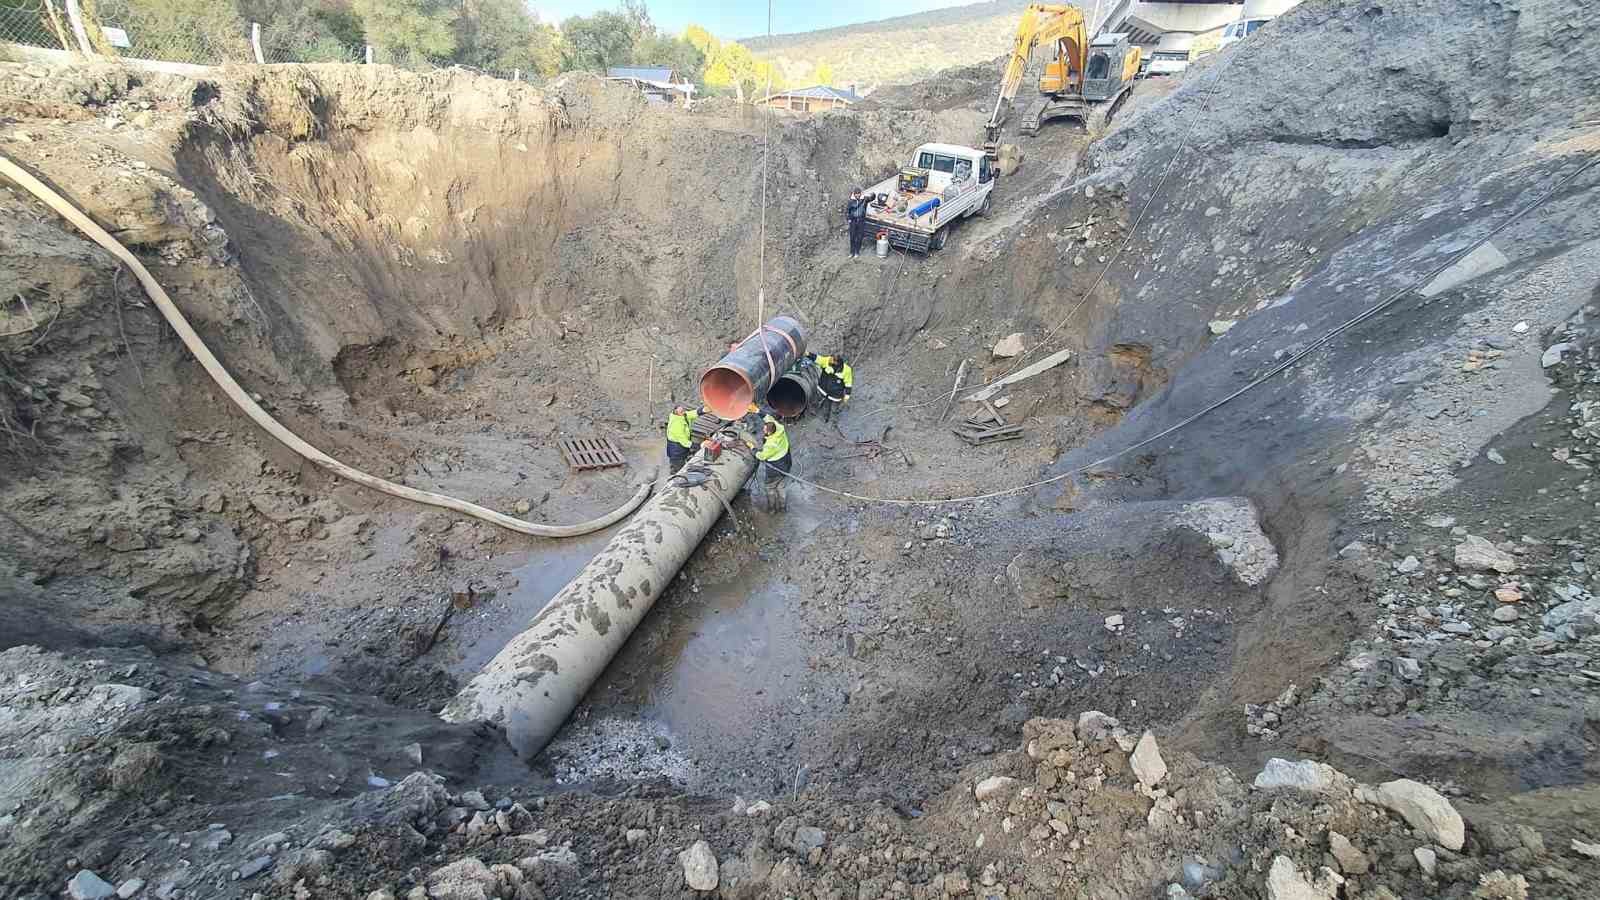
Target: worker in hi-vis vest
x,y
774,454
680,436
836,381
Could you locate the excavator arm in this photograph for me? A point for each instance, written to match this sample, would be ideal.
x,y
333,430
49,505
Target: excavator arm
x,y
1060,26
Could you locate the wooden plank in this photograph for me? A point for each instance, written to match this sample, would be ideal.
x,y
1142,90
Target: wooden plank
x,y
1049,362
993,413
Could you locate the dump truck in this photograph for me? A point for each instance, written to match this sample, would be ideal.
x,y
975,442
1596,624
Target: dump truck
x,y
915,207
1082,78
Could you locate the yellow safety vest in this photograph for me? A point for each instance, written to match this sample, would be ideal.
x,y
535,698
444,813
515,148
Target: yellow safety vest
x,y
678,431
845,373
776,446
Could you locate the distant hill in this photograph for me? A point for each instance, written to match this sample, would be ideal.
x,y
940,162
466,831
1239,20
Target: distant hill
x,y
897,50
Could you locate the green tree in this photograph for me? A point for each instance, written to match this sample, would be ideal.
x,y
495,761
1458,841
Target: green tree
x,y
595,43
682,57
498,34
824,73
199,31
304,30
408,30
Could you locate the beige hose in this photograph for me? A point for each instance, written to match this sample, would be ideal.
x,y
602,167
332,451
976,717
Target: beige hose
x,y
242,399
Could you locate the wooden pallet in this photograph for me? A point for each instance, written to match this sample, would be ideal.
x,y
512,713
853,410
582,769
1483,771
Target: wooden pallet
x,y
977,436
591,453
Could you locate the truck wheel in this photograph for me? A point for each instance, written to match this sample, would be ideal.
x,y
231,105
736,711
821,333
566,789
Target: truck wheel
x,y
939,238
988,200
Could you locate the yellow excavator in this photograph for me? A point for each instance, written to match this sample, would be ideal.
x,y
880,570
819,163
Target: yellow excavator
x,y
1080,77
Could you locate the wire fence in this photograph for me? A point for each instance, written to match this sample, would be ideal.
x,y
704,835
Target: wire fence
x,y
120,29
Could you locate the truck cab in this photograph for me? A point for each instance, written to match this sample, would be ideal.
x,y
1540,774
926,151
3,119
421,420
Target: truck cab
x,y
939,184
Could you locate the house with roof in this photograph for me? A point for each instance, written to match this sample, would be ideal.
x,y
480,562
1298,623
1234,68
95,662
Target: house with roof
x,y
817,98
658,83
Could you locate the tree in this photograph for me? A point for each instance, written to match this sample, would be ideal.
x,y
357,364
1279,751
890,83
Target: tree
x,y
702,40
824,73
199,31
656,49
495,34
598,42
304,30
410,30
733,67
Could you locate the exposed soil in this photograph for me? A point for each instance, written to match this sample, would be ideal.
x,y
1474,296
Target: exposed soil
x,y
1379,559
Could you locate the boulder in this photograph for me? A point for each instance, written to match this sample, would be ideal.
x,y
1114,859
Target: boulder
x,y
991,786
86,885
1285,882
1095,725
1423,808
1148,766
1305,775
1478,554
464,879
1351,860
1009,346
699,867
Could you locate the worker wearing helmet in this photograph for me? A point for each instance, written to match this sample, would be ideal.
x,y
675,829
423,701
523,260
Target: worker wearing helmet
x,y
836,381
680,436
774,454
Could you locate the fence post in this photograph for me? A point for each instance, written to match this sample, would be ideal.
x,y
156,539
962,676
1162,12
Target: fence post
x,y
369,54
516,74
255,41
75,16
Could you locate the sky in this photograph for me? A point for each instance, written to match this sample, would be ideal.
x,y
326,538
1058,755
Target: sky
x,y
749,18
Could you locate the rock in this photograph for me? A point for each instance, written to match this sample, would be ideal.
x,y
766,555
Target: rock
x,y
992,785
1423,808
1427,860
635,835
1478,554
134,764
1220,327
1456,628
1408,565
413,752
1506,614
1305,775
808,838
474,800
1408,669
86,885
464,879
1148,766
1284,882
1509,593
130,887
1582,616
699,867
758,808
1114,622
1552,356
1583,848
1351,860
1495,456
1520,328
76,399
1440,521
381,895
252,868
1095,725
1009,346
317,718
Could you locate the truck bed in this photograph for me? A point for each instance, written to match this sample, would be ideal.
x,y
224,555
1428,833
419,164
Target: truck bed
x,y
916,233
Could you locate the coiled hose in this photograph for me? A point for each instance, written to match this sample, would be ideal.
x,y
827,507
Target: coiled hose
x,y
272,426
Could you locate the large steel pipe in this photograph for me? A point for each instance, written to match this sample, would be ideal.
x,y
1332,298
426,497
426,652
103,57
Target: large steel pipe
x,y
533,684
791,396
750,368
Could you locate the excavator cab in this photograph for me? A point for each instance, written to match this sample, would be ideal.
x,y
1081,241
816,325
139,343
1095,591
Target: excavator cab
x,y
1060,73
1113,64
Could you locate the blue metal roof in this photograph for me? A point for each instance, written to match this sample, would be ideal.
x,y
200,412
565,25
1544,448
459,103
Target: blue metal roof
x,y
643,73
818,92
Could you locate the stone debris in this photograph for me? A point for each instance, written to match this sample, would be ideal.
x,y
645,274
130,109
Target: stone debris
x,y
1286,882
1478,554
1305,775
1423,808
699,867
1427,860
1584,848
1351,860
86,885
991,786
1009,346
1146,760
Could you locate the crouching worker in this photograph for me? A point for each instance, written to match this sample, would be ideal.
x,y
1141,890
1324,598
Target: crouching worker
x,y
774,455
680,436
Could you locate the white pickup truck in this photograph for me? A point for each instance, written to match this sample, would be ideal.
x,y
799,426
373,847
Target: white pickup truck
x,y
917,207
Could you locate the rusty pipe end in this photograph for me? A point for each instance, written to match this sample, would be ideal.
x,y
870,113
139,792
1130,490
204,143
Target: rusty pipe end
x,y
726,391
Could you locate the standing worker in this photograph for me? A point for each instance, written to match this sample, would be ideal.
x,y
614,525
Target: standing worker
x,y
836,381
680,436
775,453
856,214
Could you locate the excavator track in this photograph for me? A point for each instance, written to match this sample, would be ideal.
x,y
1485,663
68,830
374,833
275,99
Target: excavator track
x,y
1047,108
1101,114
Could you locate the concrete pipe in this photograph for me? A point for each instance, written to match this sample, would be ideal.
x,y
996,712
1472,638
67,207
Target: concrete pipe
x,y
532,685
791,396
750,368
